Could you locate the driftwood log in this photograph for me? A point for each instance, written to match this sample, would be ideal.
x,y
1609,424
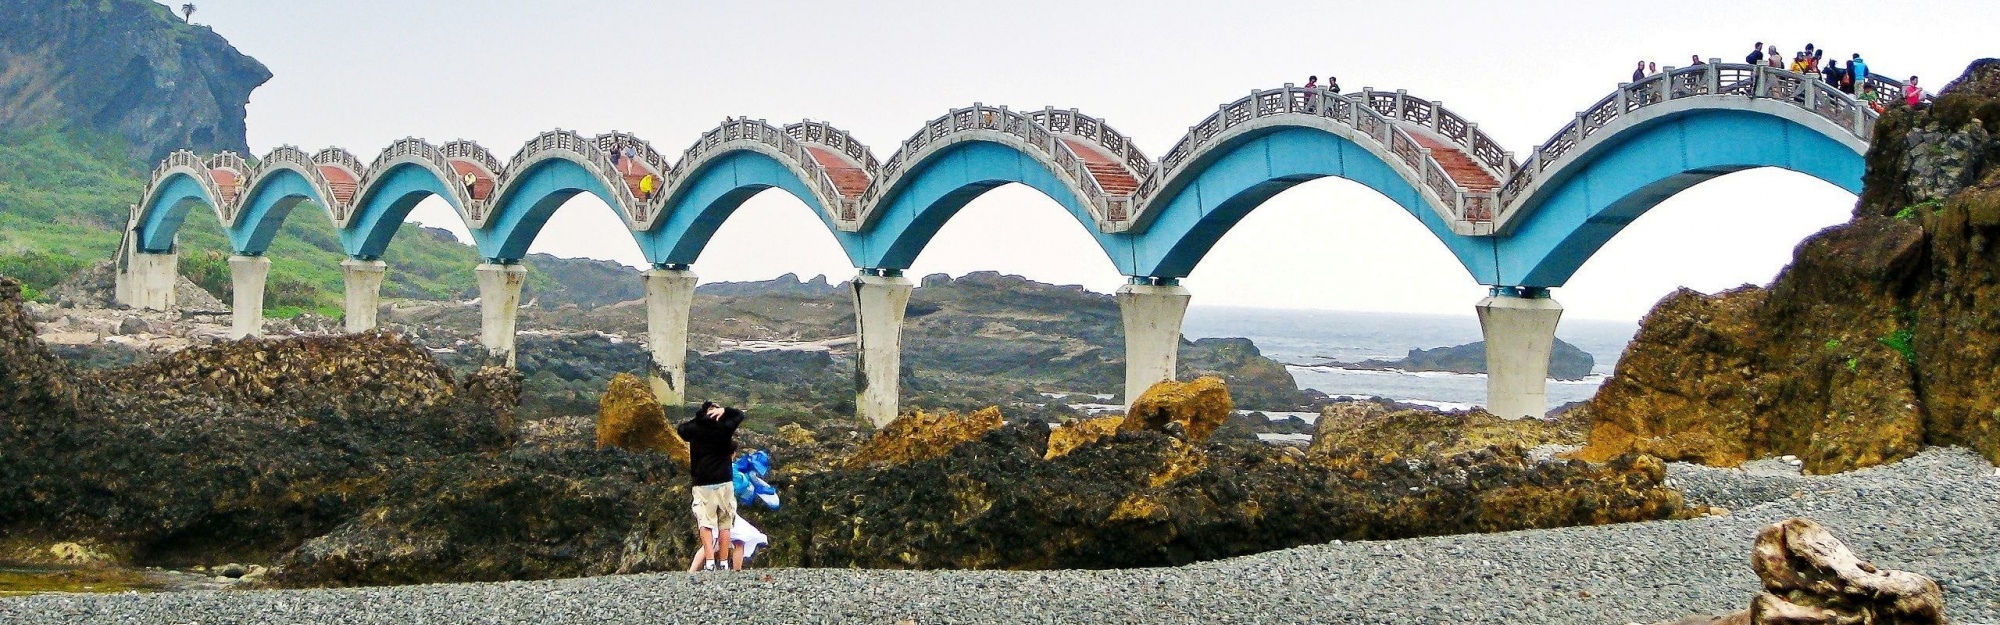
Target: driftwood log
x,y
1810,578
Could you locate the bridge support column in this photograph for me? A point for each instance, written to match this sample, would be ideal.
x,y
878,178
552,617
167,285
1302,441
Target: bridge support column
x,y
1153,316
1520,329
246,277
364,292
147,281
499,299
669,298
879,304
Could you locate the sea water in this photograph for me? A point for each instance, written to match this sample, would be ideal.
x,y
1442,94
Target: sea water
x,y
1304,337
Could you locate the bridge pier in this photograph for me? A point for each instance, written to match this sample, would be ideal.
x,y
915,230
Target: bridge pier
x,y
879,304
1520,331
247,276
499,301
1153,315
147,281
364,292
669,298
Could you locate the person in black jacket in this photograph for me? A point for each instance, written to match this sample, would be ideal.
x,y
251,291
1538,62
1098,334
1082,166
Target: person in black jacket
x,y
711,438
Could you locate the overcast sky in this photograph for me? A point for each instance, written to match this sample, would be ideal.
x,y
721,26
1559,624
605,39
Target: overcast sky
x,y
360,74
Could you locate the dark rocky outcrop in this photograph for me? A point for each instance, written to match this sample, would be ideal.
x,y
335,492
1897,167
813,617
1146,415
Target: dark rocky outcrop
x,y
1566,361
125,67
1879,339
238,451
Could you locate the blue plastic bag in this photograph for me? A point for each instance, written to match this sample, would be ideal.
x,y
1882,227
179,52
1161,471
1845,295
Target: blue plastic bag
x,y
748,480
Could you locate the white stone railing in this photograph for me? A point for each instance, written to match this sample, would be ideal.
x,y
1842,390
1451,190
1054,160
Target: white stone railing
x,y
712,144
820,133
980,118
1119,146
1379,117
1806,91
418,149
341,158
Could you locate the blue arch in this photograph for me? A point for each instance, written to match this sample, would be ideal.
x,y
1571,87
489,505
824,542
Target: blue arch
x,y
528,202
938,187
266,207
1240,176
167,209
1596,198
387,201
713,192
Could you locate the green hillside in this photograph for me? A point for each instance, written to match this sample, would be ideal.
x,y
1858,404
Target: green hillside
x,y
64,196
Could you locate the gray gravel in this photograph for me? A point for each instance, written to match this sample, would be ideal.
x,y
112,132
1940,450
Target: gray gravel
x,y
1937,514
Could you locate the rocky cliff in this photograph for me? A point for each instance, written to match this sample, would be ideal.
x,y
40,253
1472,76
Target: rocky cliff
x,y
125,67
1879,339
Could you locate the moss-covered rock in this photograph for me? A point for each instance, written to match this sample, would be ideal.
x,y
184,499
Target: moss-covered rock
x,y
629,418
922,436
1196,408
1069,436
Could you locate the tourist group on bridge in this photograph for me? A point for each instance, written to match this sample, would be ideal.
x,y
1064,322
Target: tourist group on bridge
x,y
1851,79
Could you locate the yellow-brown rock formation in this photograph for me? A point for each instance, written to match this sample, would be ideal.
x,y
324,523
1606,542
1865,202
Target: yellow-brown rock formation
x,y
1198,406
922,436
629,418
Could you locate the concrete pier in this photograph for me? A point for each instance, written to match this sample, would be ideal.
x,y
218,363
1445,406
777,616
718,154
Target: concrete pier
x,y
364,292
247,276
879,304
147,281
1520,333
1153,315
669,299
499,299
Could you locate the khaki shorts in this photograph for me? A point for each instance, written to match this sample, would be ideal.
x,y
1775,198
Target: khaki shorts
x,y
715,506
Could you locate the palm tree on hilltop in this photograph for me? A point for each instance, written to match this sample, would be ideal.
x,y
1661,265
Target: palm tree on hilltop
x,y
187,12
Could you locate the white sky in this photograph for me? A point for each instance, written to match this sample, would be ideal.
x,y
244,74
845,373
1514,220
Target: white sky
x,y
363,73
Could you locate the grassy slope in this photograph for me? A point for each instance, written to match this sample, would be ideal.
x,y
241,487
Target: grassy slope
x,y
64,197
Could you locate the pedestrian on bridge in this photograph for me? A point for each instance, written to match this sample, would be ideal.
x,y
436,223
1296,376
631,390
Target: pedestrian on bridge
x,y
1756,54
1696,60
711,438
1333,84
1858,67
647,185
1640,73
1912,94
1312,82
1776,60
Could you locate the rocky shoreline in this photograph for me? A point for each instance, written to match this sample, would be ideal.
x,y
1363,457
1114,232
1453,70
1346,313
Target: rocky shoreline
x,y
1935,514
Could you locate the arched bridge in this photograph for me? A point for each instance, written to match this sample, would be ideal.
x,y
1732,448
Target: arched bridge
x,y
1519,223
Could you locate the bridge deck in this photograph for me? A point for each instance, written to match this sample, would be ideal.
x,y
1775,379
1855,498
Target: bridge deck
x,y
848,179
1457,164
1110,174
341,181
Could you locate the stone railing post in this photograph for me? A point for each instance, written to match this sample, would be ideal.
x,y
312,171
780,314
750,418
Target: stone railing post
x,y
1811,85
1714,75
1622,98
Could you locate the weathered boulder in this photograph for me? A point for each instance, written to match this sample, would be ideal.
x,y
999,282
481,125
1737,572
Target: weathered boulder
x,y
1810,578
1875,342
1069,436
1196,407
922,436
630,419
